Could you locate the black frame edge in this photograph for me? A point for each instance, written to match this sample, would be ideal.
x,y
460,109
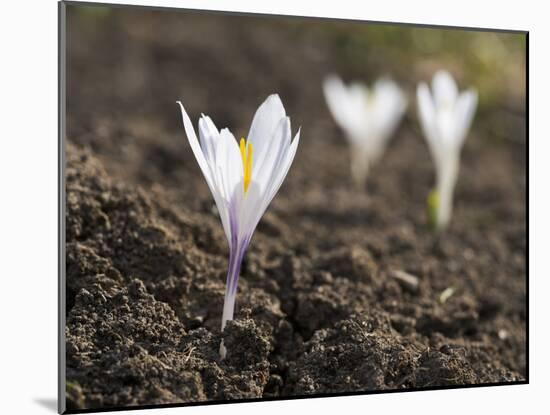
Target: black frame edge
x,y
527,206
61,108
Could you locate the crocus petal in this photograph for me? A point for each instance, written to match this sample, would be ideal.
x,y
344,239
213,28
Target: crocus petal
x,y
228,178
208,170
259,193
390,104
250,211
444,89
336,98
277,148
464,113
228,164
347,105
282,169
361,104
427,113
195,146
446,124
209,135
263,126
223,210
257,200
209,138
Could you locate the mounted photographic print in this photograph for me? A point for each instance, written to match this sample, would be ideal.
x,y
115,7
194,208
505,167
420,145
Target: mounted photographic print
x,y
260,207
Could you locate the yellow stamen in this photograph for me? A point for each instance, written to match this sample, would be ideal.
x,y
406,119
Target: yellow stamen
x,y
246,158
241,148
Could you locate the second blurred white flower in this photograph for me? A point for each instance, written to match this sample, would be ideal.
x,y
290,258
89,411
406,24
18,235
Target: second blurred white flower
x,y
368,117
445,116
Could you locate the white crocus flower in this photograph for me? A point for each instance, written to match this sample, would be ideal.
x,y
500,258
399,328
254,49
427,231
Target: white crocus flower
x,y
368,117
445,116
243,177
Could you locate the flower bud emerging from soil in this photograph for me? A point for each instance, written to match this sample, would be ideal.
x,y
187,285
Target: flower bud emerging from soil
x,y
445,117
243,178
368,117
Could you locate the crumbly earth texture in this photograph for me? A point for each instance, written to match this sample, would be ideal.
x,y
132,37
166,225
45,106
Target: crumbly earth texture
x,y
323,304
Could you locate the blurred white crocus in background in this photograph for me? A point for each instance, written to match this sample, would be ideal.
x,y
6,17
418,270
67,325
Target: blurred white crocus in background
x,y
445,116
243,178
368,117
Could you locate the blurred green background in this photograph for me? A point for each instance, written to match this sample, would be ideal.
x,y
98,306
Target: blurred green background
x,y
492,61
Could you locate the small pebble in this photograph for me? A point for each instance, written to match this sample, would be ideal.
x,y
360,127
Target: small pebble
x,y
406,280
446,294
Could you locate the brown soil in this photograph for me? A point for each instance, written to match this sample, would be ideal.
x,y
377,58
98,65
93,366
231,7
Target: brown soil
x,y
319,307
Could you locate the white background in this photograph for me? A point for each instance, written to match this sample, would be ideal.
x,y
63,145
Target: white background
x,y
28,204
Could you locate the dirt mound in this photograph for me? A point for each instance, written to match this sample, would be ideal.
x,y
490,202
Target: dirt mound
x,y
364,354
144,303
